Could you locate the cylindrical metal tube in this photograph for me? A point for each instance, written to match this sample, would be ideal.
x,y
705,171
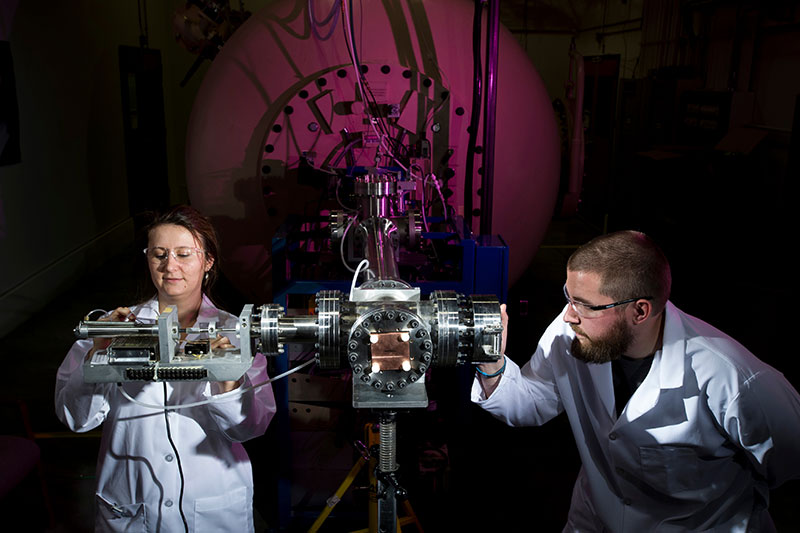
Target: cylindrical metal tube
x,y
375,192
379,245
301,328
99,328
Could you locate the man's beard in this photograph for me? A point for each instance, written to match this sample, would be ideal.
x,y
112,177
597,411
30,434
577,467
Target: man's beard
x,y
604,349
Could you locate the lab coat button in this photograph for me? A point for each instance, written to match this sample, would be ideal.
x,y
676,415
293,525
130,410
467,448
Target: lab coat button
x,y
168,458
626,501
612,436
168,503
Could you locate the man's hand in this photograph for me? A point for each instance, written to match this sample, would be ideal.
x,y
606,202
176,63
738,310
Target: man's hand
x,y
504,321
490,383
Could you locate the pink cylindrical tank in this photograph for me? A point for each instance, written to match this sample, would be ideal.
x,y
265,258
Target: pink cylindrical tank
x,y
283,88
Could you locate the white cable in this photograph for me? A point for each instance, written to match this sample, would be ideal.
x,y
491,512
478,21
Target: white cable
x,y
365,264
439,190
424,218
213,399
341,244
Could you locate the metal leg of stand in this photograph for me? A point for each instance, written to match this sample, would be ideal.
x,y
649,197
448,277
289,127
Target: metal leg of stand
x,y
411,518
333,500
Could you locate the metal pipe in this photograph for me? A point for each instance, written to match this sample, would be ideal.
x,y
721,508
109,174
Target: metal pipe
x,y
377,233
487,181
101,328
301,328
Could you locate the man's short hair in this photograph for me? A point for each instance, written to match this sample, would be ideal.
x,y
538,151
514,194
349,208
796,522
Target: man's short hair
x,y
630,265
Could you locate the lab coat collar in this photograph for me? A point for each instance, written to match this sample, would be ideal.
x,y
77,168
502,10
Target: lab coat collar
x,y
673,350
667,369
601,377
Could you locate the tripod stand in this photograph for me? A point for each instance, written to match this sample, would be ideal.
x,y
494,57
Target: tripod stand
x,y
383,484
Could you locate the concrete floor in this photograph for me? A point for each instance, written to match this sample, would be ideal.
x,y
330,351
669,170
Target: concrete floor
x,y
497,478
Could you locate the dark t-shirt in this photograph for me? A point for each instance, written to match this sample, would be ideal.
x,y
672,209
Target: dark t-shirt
x,y
628,374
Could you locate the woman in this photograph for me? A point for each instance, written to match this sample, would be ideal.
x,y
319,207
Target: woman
x,y
182,469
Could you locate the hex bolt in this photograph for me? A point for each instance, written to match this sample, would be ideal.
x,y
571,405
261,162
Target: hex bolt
x,y
390,386
353,357
357,369
377,384
413,377
426,357
423,368
401,384
426,345
365,378
353,345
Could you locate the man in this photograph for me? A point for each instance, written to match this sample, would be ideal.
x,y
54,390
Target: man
x,y
678,426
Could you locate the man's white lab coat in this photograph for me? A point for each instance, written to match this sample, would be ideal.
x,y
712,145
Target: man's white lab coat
x,y
138,481
697,447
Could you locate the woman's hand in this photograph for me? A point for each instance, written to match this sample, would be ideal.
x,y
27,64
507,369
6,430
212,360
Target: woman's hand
x,y
120,314
222,342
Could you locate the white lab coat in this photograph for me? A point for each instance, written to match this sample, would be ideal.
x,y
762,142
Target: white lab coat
x,y
697,447
138,482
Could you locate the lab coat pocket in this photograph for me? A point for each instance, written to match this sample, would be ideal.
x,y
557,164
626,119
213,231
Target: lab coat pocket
x,y
120,517
231,511
670,469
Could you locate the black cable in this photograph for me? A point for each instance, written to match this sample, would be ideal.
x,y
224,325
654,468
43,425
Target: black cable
x,y
177,459
368,97
475,113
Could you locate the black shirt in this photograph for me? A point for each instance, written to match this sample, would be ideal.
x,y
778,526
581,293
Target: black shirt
x,y
628,374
